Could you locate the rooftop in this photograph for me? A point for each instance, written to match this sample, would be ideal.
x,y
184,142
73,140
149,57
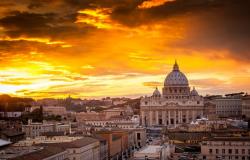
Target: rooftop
x,y
41,154
74,144
11,133
229,139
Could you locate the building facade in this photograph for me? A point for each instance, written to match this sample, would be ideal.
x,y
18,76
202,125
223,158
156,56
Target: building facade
x,y
84,148
246,106
177,104
229,105
36,129
226,148
54,110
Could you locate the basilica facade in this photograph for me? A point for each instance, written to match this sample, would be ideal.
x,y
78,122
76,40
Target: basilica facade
x,y
176,105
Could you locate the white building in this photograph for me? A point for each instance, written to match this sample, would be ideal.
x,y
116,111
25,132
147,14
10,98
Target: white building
x,y
36,129
228,106
45,139
176,105
32,108
226,148
54,110
86,148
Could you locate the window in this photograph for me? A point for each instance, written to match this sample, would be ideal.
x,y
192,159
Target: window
x,y
138,136
243,151
184,120
236,151
223,151
210,151
230,151
204,157
217,151
160,121
171,121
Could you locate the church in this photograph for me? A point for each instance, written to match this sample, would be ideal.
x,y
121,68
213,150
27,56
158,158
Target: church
x,y
176,105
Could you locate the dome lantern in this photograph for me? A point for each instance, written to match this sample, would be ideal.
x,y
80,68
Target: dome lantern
x,y
175,67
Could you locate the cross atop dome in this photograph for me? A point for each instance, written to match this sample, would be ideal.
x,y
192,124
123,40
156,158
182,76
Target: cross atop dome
x,y
175,67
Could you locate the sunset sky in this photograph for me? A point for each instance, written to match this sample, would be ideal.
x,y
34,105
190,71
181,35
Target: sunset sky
x,y
99,48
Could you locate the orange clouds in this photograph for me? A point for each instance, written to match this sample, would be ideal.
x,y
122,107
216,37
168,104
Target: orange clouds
x,y
153,84
99,17
41,40
153,3
117,48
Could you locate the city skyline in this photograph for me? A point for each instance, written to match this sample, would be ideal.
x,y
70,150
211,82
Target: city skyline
x,y
91,48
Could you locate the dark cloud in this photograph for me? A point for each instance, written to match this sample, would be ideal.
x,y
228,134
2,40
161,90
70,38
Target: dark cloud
x,y
23,22
103,3
43,25
133,16
37,4
225,28
214,24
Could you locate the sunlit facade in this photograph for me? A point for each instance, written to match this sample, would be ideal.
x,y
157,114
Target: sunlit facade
x,y
176,105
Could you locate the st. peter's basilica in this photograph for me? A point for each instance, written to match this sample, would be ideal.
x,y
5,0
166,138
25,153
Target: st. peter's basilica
x,y
176,105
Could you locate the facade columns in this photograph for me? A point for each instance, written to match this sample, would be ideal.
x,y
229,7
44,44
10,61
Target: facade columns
x,y
143,118
164,118
174,118
156,118
187,116
150,118
181,117
169,120
193,116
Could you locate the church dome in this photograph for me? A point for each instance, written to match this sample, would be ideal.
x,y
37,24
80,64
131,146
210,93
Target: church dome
x,y
176,77
156,93
194,92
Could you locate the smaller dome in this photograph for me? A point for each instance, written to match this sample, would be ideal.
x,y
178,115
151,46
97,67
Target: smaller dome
x,y
156,93
194,92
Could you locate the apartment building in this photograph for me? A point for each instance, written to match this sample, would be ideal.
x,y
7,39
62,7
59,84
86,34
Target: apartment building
x,y
233,148
36,129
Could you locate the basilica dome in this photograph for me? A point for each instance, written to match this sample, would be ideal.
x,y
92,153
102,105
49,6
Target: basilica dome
x,y
176,77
